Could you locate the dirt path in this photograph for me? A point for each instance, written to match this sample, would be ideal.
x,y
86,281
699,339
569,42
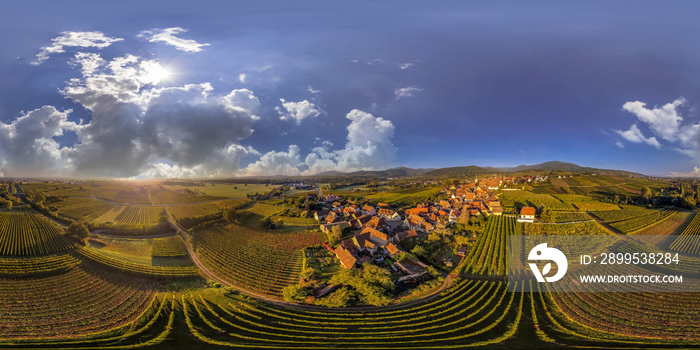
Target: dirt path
x,y
611,229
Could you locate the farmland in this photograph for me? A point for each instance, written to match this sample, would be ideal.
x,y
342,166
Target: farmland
x,y
689,240
224,190
30,234
252,259
149,291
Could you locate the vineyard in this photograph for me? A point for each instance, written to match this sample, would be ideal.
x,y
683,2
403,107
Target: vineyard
x,y
76,306
36,265
585,203
254,260
139,216
560,216
627,212
189,211
641,222
70,305
578,228
30,234
168,247
81,208
488,255
133,265
688,242
520,199
164,196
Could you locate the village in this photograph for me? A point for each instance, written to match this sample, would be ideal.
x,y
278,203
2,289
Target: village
x,y
362,233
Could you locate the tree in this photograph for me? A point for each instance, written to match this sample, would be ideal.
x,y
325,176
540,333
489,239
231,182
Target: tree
x,y
442,230
340,298
334,235
8,205
646,192
267,223
418,250
78,231
295,293
689,202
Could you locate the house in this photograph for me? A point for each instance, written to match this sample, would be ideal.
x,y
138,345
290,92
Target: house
x,y
326,228
416,211
362,242
392,249
375,236
527,214
388,214
347,258
369,210
462,251
407,234
376,223
320,215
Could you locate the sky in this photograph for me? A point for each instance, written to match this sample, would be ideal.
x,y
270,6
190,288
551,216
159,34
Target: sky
x,y
153,89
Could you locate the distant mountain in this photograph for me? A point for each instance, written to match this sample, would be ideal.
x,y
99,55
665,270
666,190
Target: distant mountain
x,y
474,170
554,166
393,172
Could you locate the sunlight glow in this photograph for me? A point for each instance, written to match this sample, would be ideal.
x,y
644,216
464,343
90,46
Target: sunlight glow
x,y
154,73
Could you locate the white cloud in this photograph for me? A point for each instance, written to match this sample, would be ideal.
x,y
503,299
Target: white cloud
x,y
406,92
298,110
687,152
311,90
276,163
241,77
368,147
168,36
619,144
74,39
694,173
27,146
88,62
136,128
635,135
405,65
665,122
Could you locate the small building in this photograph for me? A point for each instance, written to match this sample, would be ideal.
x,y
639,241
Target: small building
x,y
346,257
527,214
325,228
462,251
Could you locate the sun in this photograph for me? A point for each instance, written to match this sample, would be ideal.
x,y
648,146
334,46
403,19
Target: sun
x,y
154,73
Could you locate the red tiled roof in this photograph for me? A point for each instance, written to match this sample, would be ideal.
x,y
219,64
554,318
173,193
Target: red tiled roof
x,y
527,211
346,258
392,249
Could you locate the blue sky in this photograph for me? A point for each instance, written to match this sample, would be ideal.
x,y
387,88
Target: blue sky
x,y
226,88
